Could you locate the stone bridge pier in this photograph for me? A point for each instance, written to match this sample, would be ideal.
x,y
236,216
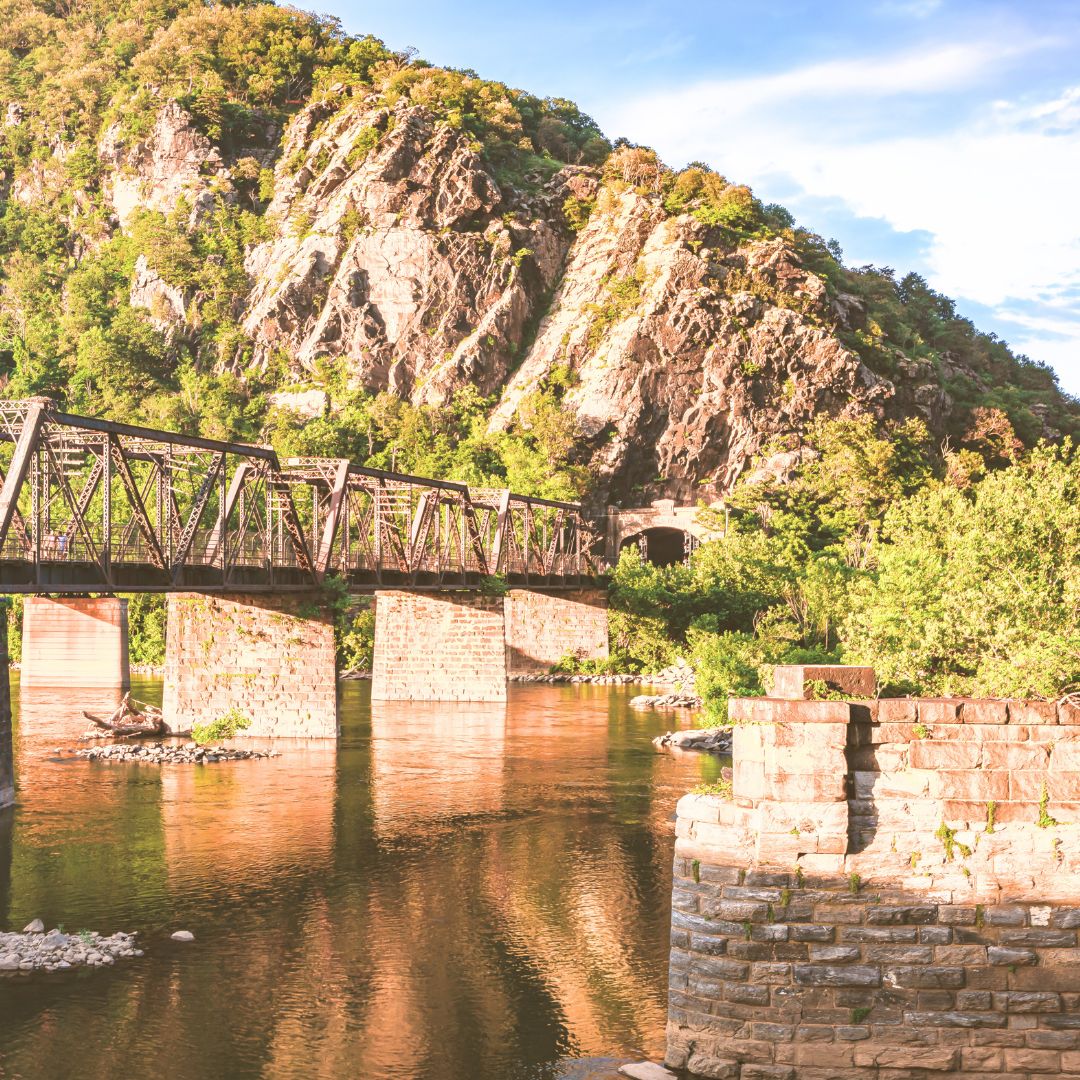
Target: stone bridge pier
x,y
890,892
270,657
464,646
75,642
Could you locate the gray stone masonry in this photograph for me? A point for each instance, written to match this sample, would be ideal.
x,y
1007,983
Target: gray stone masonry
x,y
892,892
272,658
7,769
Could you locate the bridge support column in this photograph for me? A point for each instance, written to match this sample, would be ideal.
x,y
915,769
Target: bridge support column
x,y
542,628
78,642
438,647
272,658
7,769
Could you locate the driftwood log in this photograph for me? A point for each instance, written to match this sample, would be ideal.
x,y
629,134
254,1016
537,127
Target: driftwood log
x,y
129,722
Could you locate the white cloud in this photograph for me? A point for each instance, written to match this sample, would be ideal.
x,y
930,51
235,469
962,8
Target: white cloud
x,y
997,189
913,71
911,9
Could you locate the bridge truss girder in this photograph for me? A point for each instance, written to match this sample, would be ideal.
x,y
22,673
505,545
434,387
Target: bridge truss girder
x,y
90,505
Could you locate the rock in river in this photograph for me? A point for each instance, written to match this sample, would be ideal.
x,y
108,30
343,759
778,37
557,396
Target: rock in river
x,y
35,951
715,739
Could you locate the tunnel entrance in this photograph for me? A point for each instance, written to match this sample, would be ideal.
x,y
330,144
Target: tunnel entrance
x,y
662,546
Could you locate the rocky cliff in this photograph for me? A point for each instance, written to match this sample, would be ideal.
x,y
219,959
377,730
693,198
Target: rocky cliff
x,y
428,232
687,350
396,249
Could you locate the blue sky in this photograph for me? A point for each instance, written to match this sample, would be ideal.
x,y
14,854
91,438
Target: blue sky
x,y
939,136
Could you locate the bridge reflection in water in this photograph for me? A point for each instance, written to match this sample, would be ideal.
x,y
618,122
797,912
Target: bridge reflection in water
x,y
470,894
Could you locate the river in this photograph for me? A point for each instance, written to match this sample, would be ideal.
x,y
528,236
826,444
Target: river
x,y
448,893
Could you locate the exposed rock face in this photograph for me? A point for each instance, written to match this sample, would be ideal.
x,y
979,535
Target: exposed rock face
x,y
395,248
175,161
684,373
303,403
166,303
398,250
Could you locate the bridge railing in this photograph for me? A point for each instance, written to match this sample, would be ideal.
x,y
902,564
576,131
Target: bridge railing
x,y
89,505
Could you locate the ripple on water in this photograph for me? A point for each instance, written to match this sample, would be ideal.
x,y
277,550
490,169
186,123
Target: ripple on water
x,y
466,892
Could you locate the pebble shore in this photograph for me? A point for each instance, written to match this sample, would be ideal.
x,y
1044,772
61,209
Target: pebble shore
x,y
165,754
680,677
35,950
666,701
594,680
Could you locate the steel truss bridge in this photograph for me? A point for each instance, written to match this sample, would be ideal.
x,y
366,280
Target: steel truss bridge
x,y
90,505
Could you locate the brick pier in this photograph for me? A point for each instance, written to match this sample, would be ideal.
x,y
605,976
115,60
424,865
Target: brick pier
x,y
7,770
892,892
542,628
463,646
77,642
270,657
438,647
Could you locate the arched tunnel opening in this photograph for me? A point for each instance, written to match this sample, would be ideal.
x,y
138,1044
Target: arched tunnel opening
x,y
661,546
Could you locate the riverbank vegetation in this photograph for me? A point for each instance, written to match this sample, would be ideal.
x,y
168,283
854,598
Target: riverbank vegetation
x,y
953,573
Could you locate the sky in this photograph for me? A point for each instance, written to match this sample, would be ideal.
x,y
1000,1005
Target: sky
x,y
939,136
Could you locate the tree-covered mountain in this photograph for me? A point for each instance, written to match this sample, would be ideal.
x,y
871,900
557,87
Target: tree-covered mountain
x,y
239,220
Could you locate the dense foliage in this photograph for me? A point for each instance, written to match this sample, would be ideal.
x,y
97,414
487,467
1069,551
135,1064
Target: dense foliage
x,y
81,78
963,580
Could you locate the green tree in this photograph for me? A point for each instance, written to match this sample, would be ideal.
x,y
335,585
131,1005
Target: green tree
x,y
979,591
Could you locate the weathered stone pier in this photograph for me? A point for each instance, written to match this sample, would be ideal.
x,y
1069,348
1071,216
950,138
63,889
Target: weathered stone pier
x,y
891,893
7,769
464,646
272,658
75,641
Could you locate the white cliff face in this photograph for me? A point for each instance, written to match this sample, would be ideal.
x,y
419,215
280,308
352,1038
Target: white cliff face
x,y
397,250
175,161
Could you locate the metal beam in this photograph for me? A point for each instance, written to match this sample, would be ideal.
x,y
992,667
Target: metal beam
x,y
100,553
502,522
183,544
20,465
236,486
333,518
290,519
170,438
131,490
473,530
97,470
17,521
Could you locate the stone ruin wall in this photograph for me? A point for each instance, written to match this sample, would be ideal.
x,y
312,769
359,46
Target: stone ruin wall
x,y
891,893
7,769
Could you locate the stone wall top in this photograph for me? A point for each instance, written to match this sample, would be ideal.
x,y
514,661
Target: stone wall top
x,y
980,798
1027,711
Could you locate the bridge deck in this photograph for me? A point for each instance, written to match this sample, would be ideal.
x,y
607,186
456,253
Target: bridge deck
x,y
90,505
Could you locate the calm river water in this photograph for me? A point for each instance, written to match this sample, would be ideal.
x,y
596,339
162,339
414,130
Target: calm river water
x,y
448,893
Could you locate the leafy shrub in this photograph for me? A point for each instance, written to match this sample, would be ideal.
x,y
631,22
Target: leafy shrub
x,y
578,211
978,592
225,727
